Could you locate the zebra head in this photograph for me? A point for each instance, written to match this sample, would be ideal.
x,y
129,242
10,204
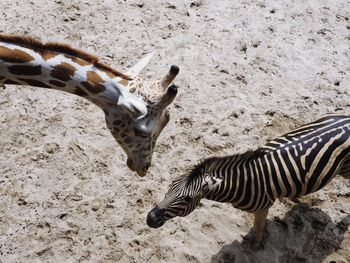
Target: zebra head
x,y
183,197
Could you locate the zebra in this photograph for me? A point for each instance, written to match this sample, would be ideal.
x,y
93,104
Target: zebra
x,y
295,164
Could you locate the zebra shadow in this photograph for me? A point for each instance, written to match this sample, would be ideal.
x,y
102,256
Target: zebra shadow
x,y
304,235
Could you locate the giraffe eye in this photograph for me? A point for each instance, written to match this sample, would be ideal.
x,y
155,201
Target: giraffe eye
x,y
141,133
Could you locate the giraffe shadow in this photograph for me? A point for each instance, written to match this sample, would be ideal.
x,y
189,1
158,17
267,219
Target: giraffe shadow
x,y
304,235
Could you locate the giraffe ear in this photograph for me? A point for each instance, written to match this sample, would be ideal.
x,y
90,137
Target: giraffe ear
x,y
211,182
137,68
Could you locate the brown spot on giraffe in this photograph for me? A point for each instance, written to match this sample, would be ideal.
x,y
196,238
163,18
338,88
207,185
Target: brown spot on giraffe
x,y
109,74
57,83
46,55
25,70
128,141
93,88
80,92
35,83
92,76
93,83
111,71
81,62
14,55
63,71
117,122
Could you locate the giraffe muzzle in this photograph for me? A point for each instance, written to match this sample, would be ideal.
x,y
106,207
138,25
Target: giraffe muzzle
x,y
142,171
130,164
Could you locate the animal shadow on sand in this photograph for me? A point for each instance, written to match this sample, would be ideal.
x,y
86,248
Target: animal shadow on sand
x,y
304,235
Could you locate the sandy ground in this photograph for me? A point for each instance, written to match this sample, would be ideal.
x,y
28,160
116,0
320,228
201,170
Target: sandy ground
x,y
250,70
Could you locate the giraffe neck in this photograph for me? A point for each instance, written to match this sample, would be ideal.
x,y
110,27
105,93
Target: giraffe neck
x,y
38,66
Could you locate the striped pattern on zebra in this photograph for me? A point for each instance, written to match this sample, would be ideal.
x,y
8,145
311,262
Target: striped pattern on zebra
x,y
295,164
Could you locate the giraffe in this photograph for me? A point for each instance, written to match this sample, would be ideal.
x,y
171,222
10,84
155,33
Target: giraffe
x,y
135,110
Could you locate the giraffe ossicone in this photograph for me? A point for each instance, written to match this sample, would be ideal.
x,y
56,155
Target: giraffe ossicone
x,y
135,110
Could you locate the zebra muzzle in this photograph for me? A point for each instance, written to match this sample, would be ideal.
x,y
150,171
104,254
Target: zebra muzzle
x,y
155,218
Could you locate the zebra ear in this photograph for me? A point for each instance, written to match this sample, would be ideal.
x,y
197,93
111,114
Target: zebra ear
x,y
211,182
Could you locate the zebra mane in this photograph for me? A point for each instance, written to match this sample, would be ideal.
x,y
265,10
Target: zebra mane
x,y
205,164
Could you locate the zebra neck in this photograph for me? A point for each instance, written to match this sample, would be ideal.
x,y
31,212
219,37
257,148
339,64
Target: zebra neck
x,y
243,183
232,171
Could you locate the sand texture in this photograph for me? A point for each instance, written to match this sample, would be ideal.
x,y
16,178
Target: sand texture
x,y
249,71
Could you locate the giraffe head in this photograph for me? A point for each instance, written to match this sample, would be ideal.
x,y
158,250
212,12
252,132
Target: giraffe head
x,y
135,109
136,131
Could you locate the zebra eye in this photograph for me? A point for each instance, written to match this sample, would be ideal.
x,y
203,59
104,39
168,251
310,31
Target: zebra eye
x,y
188,199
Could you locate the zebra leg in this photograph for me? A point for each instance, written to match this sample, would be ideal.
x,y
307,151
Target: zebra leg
x,y
295,200
259,225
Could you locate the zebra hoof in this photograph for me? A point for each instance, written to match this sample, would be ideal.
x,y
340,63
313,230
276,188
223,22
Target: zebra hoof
x,y
250,243
257,246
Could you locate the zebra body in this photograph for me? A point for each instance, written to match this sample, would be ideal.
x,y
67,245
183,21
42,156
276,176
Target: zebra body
x,y
295,164
292,165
